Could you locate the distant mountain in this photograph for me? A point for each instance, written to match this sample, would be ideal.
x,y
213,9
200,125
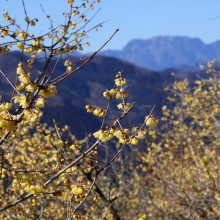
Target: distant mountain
x,y
86,86
163,52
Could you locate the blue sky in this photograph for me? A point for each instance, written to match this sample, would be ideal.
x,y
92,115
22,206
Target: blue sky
x,y
136,19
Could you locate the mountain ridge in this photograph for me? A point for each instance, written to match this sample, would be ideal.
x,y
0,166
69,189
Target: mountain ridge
x,y
163,52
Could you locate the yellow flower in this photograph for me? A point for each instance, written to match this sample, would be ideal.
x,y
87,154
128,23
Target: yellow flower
x,y
74,147
122,140
49,91
35,43
80,190
40,102
69,68
20,45
32,23
118,134
5,106
50,35
89,108
28,50
99,112
124,106
20,87
20,70
22,100
23,35
118,95
97,134
73,24
113,91
5,33
27,115
134,129
25,79
120,82
96,198
126,131
60,143
141,135
107,94
39,188
134,141
31,87
104,137
150,121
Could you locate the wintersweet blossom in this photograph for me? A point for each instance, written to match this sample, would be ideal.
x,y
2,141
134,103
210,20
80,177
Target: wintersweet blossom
x,y
25,79
40,102
31,87
22,100
49,91
120,81
99,112
150,121
141,135
89,108
107,94
134,141
5,106
20,69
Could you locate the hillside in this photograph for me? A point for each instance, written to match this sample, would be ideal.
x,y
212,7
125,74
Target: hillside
x,y
87,86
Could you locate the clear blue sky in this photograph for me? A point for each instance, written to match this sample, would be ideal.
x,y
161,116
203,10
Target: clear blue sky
x,y
136,19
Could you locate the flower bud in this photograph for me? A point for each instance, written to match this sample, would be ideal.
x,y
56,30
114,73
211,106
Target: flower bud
x,y
107,94
89,108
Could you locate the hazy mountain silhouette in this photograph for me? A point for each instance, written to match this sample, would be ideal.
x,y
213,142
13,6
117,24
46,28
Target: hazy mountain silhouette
x,y
163,52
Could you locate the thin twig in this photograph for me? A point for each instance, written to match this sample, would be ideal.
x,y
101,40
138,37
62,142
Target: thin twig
x,y
106,111
9,82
